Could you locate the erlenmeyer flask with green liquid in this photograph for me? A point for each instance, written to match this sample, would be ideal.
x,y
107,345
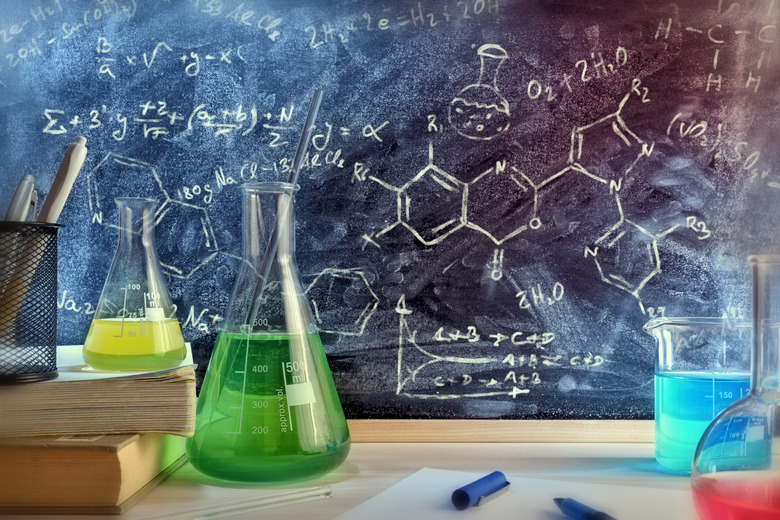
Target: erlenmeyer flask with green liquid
x,y
268,410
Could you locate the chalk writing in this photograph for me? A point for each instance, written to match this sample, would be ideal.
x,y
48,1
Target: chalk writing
x,y
197,193
225,120
328,293
710,137
202,321
496,265
730,34
69,303
421,16
583,71
73,22
327,34
537,296
419,367
156,118
240,15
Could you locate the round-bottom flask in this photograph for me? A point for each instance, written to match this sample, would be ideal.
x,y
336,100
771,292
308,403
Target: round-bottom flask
x,y
479,111
268,410
736,468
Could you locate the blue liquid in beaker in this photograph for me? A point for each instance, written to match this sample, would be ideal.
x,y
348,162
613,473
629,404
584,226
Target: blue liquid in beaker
x,y
685,404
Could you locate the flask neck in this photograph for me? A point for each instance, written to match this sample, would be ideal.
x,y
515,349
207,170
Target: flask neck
x,y
136,222
269,228
766,361
268,295
766,326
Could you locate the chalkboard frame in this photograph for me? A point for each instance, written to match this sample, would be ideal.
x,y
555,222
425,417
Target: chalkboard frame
x,y
646,131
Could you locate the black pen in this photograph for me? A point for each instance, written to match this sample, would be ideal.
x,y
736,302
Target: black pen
x,y
579,511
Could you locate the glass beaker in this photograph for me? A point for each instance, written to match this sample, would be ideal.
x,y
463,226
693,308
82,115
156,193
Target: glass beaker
x,y
736,468
268,410
134,326
702,366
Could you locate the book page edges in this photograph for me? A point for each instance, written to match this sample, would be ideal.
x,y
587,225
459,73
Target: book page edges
x,y
84,476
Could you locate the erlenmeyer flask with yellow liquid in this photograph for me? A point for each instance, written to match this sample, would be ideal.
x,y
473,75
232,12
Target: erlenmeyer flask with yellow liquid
x,y
134,326
268,410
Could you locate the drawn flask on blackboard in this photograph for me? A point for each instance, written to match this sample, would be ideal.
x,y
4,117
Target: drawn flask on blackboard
x,y
479,111
268,410
134,326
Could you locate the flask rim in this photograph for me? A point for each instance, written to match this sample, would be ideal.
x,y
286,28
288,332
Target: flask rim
x,y
713,321
768,258
271,187
135,199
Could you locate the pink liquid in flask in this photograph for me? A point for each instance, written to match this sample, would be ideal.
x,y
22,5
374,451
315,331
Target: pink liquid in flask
x,y
737,497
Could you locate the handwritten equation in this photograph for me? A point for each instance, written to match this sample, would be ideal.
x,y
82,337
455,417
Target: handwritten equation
x,y
511,365
158,119
32,34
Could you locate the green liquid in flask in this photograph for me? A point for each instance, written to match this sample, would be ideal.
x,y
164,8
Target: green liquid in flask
x,y
263,416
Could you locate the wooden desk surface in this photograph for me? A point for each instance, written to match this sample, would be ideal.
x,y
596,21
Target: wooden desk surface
x,y
374,467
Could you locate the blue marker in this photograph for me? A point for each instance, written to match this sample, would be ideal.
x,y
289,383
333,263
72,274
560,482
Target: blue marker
x,y
480,491
579,511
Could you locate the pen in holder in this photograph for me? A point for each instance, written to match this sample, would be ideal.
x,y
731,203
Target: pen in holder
x,y
28,301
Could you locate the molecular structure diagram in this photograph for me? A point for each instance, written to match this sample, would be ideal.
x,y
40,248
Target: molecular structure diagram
x,y
433,204
343,300
179,225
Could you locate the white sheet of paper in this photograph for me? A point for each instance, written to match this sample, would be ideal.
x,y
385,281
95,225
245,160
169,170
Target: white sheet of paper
x,y
71,366
427,495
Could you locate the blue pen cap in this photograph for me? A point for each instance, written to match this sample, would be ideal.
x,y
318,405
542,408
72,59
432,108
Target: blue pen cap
x,y
470,494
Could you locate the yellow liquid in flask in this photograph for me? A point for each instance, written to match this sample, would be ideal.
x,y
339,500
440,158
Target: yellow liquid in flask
x,y
134,344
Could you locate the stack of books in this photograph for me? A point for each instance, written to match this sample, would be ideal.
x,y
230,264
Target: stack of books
x,y
91,442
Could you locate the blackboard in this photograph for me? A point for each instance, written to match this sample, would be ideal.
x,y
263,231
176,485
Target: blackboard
x,y
498,193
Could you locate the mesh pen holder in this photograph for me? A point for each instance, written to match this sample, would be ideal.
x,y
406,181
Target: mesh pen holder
x,y
28,302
